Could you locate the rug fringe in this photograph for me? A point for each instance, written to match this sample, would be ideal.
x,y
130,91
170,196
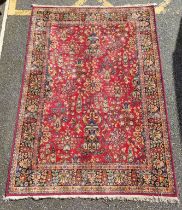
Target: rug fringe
x,y
108,197
127,5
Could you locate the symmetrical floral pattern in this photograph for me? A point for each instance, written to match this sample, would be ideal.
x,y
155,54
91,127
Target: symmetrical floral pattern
x,y
92,109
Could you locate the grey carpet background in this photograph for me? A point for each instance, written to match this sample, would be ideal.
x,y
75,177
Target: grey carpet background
x,y
11,67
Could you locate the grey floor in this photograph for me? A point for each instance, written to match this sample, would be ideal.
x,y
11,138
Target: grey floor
x,y
11,66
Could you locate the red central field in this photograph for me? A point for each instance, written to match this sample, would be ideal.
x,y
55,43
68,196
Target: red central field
x,y
92,107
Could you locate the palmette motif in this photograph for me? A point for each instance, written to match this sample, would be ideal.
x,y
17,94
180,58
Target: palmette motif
x,y
92,116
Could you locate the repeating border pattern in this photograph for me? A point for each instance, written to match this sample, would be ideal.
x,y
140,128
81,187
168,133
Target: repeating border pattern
x,y
153,88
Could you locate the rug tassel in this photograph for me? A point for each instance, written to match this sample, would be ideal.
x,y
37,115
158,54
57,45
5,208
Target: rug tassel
x,y
157,199
127,5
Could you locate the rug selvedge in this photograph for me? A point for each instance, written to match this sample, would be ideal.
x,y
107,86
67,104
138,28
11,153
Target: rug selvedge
x,y
92,117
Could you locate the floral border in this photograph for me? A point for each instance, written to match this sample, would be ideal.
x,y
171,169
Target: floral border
x,y
139,13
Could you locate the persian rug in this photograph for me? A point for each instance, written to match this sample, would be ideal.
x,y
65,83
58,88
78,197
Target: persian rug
x,y
92,118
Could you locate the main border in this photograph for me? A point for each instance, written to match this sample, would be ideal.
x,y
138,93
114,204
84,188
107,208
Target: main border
x,y
123,196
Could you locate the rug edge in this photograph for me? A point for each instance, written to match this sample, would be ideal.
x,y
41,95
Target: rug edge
x,y
166,107
90,6
157,199
23,76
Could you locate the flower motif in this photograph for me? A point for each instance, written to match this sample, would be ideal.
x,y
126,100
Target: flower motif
x,y
92,85
25,163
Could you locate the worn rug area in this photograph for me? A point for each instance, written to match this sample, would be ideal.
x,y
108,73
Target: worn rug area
x,y
92,117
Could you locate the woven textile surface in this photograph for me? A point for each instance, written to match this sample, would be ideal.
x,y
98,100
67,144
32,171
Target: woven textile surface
x,y
92,118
